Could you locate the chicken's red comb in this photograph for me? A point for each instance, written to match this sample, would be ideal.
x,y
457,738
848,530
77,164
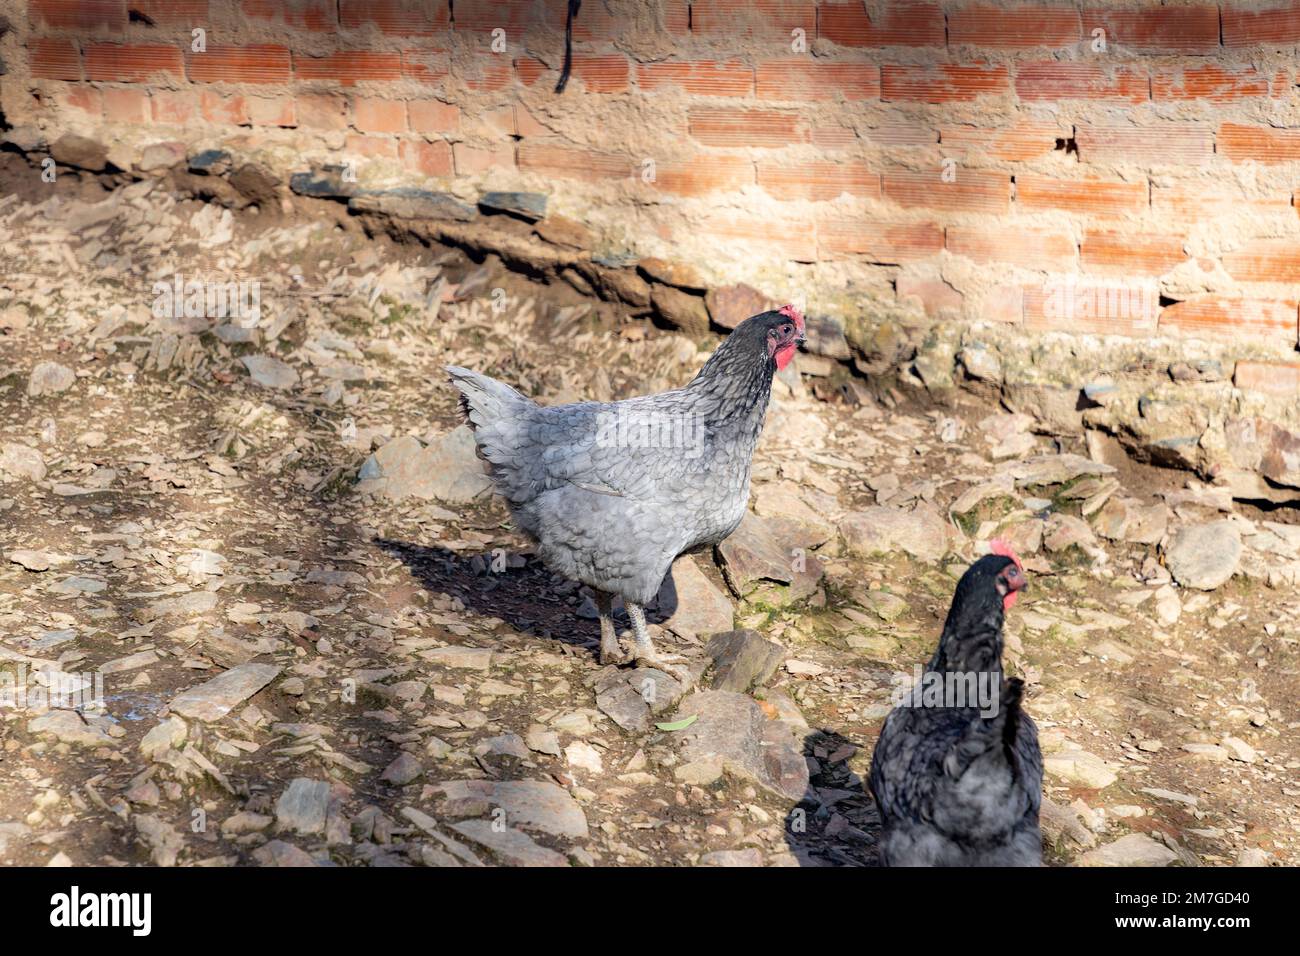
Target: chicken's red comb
x,y
1000,546
792,312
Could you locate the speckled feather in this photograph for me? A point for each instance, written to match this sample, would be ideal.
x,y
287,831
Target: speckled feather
x,y
612,516
954,788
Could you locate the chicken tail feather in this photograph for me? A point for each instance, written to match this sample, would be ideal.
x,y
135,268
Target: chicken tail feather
x,y
484,400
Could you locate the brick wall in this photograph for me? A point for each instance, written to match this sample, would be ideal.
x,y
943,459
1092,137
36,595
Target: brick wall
x,y
1121,167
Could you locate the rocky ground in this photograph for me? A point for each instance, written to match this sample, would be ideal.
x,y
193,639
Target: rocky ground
x,y
319,641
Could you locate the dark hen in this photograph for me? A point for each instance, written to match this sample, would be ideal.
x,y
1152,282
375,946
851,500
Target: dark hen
x,y
958,781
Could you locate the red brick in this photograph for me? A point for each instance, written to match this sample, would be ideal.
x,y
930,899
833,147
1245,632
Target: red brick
x,y
490,75
1013,28
1157,29
724,126
1224,315
385,147
371,114
897,24
1098,307
126,106
474,160
677,17
1273,27
1275,378
316,111
1001,303
230,110
1128,253
1209,82
241,64
177,108
763,19
396,17
818,181
1026,139
1095,197
1187,144
704,174
832,138
1052,250
272,111
1265,260
973,190
426,66
348,68
138,63
433,116
1190,204
1263,144
1057,80
54,59
942,82
79,16
887,243
570,162
702,78
172,13
794,240
83,99
802,79
513,16
598,74
935,295
900,132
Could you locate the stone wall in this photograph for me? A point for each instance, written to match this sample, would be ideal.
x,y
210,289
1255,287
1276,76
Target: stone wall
x,y
1090,206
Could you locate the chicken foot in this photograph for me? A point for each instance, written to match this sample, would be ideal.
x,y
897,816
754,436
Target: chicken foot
x,y
644,653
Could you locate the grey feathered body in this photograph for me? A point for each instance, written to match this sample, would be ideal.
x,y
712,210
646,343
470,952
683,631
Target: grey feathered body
x,y
602,509
955,788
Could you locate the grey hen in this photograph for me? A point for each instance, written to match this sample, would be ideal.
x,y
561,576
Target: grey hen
x,y
958,780
613,492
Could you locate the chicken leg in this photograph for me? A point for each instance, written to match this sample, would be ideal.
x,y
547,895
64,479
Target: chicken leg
x,y
644,652
611,652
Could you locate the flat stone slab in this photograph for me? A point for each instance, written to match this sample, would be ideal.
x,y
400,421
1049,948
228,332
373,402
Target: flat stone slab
x,y
1136,849
1204,556
448,470
512,846
466,658
743,660
214,699
303,805
922,532
270,372
695,605
532,804
67,727
406,203
530,206
732,728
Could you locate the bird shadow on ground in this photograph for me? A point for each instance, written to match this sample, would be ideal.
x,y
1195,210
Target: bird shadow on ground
x,y
529,599
835,824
